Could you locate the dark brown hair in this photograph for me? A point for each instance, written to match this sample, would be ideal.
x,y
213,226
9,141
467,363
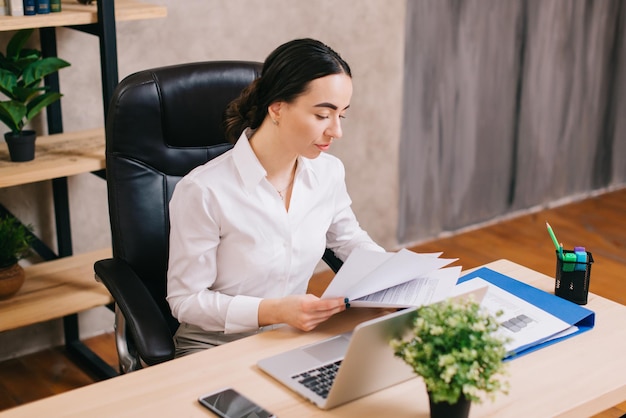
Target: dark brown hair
x,y
286,74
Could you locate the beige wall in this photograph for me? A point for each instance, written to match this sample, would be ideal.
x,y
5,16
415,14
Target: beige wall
x,y
368,33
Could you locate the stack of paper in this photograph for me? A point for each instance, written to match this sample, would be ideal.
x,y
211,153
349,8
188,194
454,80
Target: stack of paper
x,y
531,318
401,279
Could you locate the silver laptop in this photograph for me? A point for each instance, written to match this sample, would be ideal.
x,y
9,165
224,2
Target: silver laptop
x,y
361,360
348,366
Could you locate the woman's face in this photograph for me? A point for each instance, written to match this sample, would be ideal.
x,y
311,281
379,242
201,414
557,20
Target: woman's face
x,y
310,123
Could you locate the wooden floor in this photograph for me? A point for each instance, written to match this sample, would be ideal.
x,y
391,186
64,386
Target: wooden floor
x,y
597,223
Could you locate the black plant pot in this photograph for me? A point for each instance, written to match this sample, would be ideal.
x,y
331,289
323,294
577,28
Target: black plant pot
x,y
445,410
21,146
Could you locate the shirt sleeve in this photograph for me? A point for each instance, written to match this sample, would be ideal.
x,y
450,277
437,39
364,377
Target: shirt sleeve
x,y
192,268
345,234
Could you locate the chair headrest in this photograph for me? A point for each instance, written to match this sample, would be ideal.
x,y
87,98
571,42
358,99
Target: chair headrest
x,y
176,107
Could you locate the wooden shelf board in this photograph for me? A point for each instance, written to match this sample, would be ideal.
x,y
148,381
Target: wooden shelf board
x,y
56,156
55,289
74,13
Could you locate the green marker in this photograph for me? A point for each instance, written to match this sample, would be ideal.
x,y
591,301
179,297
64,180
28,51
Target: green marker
x,y
569,260
558,247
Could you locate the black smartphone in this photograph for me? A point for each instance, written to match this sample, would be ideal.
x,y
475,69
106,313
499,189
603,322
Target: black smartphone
x,y
228,403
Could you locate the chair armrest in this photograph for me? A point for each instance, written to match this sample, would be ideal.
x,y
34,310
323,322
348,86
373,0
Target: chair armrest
x,y
332,260
144,320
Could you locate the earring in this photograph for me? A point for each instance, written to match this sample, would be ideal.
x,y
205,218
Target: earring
x,y
275,122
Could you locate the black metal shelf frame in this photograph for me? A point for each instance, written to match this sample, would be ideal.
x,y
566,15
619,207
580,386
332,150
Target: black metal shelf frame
x,y
105,30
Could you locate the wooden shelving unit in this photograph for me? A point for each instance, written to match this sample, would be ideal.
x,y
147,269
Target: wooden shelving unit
x,y
74,13
59,155
65,285
55,289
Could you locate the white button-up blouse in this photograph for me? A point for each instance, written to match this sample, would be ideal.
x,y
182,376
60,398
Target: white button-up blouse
x,y
232,242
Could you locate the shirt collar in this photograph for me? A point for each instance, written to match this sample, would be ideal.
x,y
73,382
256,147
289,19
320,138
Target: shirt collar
x,y
307,170
252,172
248,165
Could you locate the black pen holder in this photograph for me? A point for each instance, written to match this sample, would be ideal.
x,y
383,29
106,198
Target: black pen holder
x,y
572,277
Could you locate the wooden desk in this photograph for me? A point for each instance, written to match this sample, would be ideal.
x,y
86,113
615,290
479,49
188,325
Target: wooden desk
x,y
578,377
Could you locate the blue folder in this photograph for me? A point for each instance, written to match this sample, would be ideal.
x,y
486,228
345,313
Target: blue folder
x,y
565,310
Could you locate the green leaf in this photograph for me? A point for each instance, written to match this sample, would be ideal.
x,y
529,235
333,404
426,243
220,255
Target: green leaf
x,y
25,94
8,81
36,71
4,62
454,347
26,57
15,240
12,114
28,54
37,104
22,71
17,42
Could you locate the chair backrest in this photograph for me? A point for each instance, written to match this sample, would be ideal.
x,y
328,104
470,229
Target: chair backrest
x,y
161,124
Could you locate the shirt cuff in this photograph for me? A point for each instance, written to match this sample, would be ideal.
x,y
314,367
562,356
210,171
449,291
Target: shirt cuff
x,y
242,315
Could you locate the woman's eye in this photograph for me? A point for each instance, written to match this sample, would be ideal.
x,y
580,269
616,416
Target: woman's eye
x,y
322,117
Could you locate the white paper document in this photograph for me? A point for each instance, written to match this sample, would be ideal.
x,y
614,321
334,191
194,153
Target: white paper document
x,y
523,323
433,287
401,279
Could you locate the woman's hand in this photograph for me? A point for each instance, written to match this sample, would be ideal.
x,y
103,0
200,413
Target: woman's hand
x,y
304,312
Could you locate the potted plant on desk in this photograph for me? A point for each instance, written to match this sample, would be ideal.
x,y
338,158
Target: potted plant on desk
x,y
21,73
15,243
452,345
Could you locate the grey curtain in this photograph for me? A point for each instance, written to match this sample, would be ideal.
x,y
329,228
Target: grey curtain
x,y
508,105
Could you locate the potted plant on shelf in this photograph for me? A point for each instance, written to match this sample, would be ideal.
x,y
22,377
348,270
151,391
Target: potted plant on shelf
x,y
15,243
21,74
454,347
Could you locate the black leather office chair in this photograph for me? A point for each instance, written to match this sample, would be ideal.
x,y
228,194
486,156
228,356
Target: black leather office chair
x,y
161,124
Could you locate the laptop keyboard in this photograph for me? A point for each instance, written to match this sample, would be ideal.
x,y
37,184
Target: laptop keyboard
x,y
320,379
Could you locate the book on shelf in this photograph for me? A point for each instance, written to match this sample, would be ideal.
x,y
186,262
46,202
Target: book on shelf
x,y
55,6
42,6
16,7
30,7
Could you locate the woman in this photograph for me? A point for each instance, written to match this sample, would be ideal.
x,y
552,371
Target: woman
x,y
249,227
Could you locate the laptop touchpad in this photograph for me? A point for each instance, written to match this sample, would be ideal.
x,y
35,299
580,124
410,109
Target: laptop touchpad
x,y
332,349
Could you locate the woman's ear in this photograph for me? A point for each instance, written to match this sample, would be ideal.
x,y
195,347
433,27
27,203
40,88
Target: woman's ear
x,y
274,112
